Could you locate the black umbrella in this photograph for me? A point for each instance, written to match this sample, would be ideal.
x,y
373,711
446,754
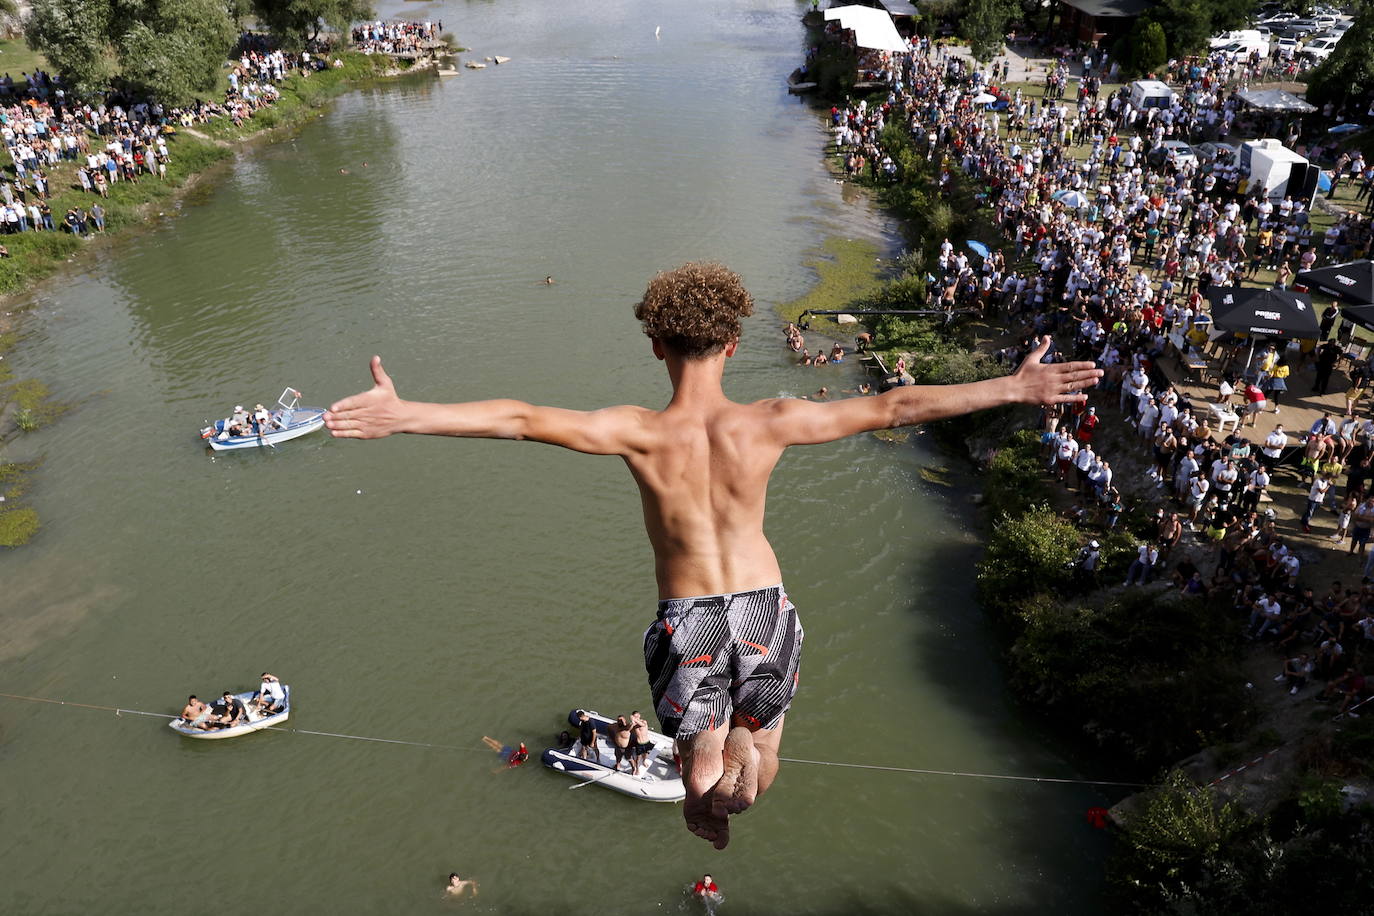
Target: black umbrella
x,y
1362,315
1352,282
1267,312
1263,313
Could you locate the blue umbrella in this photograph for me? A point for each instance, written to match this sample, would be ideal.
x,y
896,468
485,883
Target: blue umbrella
x,y
1343,128
978,248
1323,182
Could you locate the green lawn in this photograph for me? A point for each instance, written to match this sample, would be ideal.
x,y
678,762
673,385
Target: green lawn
x,y
17,59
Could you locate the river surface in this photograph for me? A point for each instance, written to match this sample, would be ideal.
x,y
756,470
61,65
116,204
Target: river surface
x,y
436,590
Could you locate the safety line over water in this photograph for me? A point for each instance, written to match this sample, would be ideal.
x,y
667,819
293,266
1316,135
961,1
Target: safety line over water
x,y
121,710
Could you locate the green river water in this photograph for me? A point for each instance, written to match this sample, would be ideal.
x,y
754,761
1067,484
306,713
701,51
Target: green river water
x,y
482,588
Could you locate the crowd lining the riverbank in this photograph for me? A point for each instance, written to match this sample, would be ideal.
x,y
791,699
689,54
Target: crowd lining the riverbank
x,y
1113,244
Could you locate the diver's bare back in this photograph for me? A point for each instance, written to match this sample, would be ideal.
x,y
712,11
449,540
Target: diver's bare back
x,y
703,478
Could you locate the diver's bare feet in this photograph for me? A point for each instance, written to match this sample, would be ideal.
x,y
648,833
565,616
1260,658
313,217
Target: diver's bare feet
x,y
702,766
739,783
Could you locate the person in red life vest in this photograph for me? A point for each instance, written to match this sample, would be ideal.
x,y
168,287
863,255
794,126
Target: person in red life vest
x,y
518,756
706,888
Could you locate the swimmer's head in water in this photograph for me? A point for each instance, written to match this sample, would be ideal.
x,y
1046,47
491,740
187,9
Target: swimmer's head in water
x,y
695,310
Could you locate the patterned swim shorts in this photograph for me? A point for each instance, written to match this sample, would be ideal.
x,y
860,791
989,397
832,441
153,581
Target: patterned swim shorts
x,y
713,656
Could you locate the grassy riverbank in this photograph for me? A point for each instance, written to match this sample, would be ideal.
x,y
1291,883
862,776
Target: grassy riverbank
x,y
25,404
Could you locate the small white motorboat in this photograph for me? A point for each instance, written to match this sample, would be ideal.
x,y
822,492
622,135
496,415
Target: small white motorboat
x,y
659,779
256,721
288,420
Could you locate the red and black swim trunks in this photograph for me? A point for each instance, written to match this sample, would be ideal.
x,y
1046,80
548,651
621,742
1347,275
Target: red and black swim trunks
x,y
715,656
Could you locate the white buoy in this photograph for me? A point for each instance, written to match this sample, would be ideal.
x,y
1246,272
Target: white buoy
x,y
657,29
360,492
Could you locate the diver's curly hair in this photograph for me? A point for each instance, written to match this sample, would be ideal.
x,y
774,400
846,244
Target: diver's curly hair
x,y
695,310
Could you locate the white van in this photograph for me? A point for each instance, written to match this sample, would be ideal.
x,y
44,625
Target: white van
x,y
1151,94
1226,38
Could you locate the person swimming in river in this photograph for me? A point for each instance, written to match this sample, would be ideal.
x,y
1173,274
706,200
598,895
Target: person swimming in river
x,y
457,886
723,653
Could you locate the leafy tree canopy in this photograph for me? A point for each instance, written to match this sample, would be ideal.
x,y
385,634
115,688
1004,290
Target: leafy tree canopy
x,y
296,22
169,50
1190,23
1349,71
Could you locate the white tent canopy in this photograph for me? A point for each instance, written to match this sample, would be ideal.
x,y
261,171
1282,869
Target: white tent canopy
x,y
872,28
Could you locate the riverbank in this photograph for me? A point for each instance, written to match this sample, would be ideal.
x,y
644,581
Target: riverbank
x,y
1150,677
37,257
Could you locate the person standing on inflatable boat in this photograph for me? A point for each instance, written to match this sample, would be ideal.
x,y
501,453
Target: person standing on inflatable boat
x,y
723,654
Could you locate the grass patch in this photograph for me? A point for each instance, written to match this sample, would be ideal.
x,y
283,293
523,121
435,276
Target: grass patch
x,y
18,523
17,58
34,404
846,270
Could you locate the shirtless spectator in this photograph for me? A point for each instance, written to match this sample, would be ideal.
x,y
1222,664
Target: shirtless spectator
x,y
194,713
620,737
640,745
702,466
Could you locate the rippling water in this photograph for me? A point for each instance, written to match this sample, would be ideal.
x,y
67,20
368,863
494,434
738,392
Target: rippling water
x,y
481,587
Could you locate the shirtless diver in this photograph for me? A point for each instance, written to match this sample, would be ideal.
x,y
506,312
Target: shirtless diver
x,y
723,654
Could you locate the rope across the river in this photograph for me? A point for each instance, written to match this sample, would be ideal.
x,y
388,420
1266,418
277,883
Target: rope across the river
x,y
122,710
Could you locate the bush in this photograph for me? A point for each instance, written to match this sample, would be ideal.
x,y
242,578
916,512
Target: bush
x,y
1184,844
1016,476
1186,852
1146,675
1027,554
1148,49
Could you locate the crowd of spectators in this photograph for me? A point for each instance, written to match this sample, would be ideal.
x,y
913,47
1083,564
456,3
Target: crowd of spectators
x,y
1112,242
396,37
118,140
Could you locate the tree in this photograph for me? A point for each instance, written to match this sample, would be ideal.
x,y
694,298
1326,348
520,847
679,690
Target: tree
x,y
1189,23
1148,48
1349,72
168,50
74,36
296,22
177,52
985,26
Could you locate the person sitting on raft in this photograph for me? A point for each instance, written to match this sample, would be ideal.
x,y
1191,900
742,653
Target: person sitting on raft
x,y
271,697
262,420
227,711
238,424
194,713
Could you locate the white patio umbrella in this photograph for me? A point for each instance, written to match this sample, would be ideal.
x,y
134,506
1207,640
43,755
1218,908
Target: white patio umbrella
x,y
1075,199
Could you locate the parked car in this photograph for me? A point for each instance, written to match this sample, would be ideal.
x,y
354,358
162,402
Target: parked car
x,y
1325,22
1176,150
1319,48
1279,19
1288,47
